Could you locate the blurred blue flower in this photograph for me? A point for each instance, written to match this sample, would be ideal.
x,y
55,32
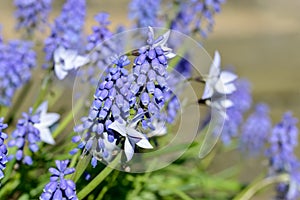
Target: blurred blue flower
x,y
3,148
196,16
100,33
67,30
59,187
31,14
256,130
17,59
99,48
282,158
145,12
283,140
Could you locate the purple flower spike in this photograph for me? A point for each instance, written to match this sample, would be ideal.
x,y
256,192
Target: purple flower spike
x,y
145,13
17,59
59,187
254,137
3,148
67,30
196,16
31,15
32,129
282,158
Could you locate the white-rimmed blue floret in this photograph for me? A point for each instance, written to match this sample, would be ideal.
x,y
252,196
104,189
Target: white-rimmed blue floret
x,y
132,136
66,60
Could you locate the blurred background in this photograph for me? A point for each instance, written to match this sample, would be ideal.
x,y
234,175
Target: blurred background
x,y
261,39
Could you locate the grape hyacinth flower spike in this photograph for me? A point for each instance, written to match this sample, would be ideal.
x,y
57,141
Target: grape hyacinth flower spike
x,y
31,15
282,158
254,137
121,96
58,187
17,59
3,148
31,129
67,30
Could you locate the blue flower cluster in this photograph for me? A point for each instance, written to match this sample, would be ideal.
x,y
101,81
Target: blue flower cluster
x,y
26,134
99,47
145,13
3,148
149,82
110,103
196,16
100,33
31,13
67,30
282,159
254,136
242,100
59,187
17,59
120,94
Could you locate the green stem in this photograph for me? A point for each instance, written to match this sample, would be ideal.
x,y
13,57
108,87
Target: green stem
x,y
80,167
181,194
3,111
250,191
99,178
17,105
67,119
9,187
106,187
43,91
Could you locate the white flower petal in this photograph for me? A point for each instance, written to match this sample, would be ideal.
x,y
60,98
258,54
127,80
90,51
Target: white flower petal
x,y
215,70
129,150
59,54
120,128
134,133
164,40
222,88
45,135
49,119
136,119
170,55
208,91
69,57
144,143
227,77
42,109
80,61
226,103
230,88
59,72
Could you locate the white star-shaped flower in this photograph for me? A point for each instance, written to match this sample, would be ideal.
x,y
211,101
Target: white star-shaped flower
x,y
66,60
46,121
218,84
132,136
218,81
